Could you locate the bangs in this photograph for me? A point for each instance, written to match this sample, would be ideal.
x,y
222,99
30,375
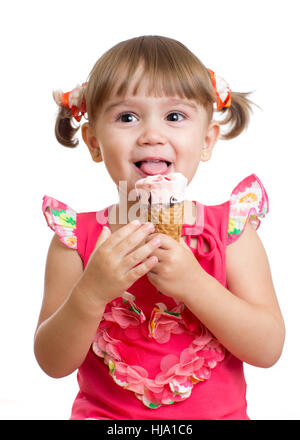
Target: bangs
x,y
168,66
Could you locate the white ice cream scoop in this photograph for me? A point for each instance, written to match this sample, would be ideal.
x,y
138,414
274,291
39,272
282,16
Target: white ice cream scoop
x,y
162,189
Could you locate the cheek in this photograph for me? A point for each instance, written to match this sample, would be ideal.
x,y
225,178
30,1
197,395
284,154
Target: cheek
x,y
189,160
117,141
190,152
191,138
112,147
116,159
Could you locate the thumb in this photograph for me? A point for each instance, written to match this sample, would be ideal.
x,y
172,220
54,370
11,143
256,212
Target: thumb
x,y
105,233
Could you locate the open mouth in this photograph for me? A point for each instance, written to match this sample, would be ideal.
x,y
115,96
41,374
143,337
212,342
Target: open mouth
x,y
153,167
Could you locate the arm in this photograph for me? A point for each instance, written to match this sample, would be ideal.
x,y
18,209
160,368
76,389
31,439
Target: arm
x,y
75,299
246,317
68,319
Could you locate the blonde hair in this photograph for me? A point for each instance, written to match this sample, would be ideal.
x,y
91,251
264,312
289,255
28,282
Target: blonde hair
x,y
171,68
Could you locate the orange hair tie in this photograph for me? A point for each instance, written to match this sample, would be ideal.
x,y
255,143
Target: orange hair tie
x,y
74,100
222,90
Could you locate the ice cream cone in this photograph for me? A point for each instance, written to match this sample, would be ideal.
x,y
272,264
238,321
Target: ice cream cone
x,y
162,202
167,219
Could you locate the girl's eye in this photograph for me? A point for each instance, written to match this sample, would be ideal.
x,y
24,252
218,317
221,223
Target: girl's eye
x,y
175,116
126,117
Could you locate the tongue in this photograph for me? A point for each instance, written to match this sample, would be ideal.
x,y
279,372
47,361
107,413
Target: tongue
x,y
152,168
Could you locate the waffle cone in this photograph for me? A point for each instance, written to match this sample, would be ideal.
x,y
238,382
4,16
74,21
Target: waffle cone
x,y
167,219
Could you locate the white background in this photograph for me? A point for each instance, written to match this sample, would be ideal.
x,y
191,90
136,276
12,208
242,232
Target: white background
x,y
48,45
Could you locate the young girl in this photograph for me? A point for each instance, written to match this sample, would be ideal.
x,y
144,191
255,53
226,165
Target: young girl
x,y
158,329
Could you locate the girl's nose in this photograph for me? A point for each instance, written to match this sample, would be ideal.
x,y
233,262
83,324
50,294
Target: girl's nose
x,y
151,135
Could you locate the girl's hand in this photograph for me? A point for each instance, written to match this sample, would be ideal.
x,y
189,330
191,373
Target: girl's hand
x,y
177,269
114,263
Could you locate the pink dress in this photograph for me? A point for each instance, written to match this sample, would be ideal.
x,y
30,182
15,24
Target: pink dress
x,y
151,357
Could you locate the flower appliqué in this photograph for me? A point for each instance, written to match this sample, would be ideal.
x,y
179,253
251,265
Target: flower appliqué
x,y
178,373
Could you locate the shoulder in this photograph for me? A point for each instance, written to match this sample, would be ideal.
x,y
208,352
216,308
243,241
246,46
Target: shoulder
x,y
247,267
64,265
245,249
248,203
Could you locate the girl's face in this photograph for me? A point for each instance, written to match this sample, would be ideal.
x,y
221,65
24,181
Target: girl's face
x,y
131,133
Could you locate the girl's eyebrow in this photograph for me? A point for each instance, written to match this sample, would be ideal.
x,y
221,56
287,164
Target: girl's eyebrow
x,y
186,102
171,101
115,104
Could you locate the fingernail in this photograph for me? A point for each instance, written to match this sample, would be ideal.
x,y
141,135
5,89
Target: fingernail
x,y
150,226
156,240
135,222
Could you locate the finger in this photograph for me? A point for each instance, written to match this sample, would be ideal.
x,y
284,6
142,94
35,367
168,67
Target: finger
x,y
122,233
167,242
142,253
132,241
161,254
141,269
104,235
151,236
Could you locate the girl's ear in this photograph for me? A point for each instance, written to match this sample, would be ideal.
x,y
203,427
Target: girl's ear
x,y
89,137
212,135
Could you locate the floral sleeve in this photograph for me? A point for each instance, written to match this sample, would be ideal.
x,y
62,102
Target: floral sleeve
x,y
248,202
61,218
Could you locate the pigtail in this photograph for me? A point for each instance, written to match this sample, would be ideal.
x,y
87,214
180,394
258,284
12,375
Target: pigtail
x,y
71,105
237,115
64,129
